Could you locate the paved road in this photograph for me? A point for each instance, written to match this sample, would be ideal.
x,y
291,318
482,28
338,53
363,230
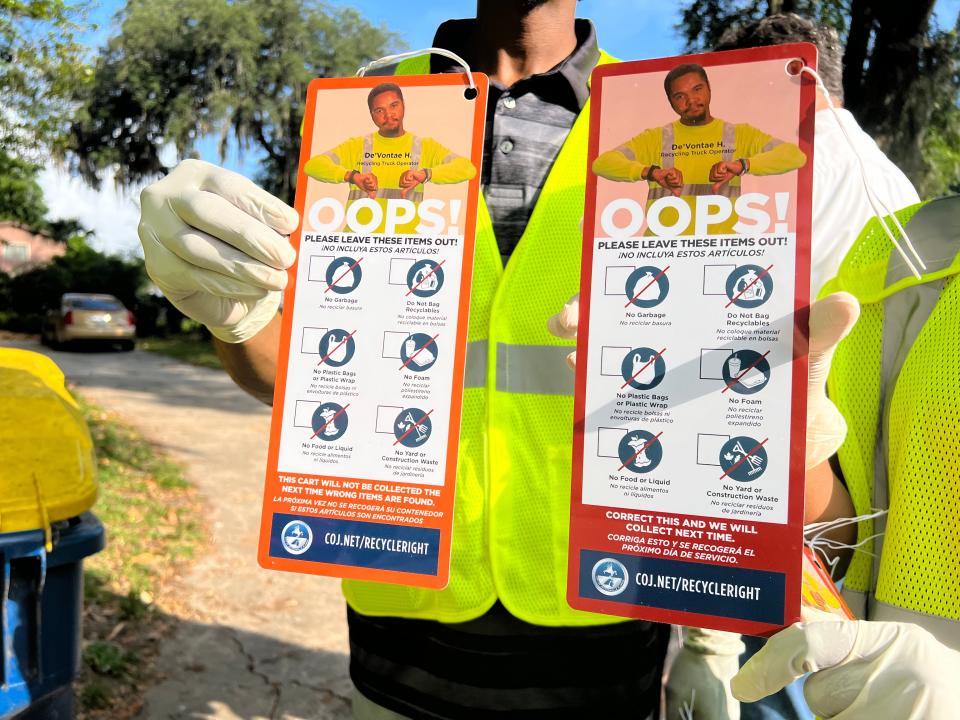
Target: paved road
x,y
257,643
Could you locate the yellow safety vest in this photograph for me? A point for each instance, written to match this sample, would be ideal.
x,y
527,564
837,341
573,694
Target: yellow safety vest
x,y
512,508
896,378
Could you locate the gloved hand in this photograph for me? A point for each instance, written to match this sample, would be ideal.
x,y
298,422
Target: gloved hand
x,y
700,676
831,319
861,670
216,245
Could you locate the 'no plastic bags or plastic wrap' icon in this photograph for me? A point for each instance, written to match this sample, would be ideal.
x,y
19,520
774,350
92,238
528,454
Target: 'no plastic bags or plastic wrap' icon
x,y
337,347
643,368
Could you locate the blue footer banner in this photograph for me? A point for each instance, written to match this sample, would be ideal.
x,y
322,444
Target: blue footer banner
x,y
754,595
359,544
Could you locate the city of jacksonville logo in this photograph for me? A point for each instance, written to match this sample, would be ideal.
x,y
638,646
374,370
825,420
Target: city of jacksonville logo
x,y
296,537
609,576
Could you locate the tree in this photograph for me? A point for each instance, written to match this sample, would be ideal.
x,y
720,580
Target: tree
x,y
21,198
238,68
81,269
900,74
41,70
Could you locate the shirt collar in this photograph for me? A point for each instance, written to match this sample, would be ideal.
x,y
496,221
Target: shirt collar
x,y
575,69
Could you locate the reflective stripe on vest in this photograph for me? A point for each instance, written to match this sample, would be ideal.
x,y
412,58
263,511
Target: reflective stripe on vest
x,y
534,369
415,152
366,163
728,141
475,366
726,190
385,194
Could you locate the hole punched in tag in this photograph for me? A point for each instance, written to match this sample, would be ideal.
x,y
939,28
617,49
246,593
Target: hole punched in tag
x,y
794,67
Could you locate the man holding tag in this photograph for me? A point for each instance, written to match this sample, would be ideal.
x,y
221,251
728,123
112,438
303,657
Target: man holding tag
x,y
500,638
425,160
726,151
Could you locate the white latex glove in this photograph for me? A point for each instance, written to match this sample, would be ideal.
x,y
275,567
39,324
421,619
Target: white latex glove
x,y
831,319
564,325
861,670
216,245
700,676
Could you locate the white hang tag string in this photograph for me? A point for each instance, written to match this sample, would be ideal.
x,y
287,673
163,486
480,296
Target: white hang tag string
x,y
814,537
393,59
872,197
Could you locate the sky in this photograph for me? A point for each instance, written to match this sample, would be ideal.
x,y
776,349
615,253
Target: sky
x,y
627,29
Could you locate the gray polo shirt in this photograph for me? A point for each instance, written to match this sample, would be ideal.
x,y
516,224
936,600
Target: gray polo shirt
x,y
526,126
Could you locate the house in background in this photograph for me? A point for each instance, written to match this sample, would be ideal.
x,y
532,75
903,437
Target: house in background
x,y
21,248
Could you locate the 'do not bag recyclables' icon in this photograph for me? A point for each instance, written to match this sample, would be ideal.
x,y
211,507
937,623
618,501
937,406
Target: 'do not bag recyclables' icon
x,y
425,278
749,286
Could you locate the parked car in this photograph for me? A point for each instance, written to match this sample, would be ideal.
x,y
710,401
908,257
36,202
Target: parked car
x,y
88,316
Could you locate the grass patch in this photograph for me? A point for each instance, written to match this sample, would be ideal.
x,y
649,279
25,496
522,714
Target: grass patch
x,y
190,348
152,517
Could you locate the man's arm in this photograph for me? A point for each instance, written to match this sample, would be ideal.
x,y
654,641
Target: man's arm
x,y
334,166
827,499
446,167
765,154
253,364
637,160
620,164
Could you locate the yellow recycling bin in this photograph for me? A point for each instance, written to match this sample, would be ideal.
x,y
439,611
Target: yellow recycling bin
x,y
47,469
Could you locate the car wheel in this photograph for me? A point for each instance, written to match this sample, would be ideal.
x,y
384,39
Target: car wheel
x,y
126,345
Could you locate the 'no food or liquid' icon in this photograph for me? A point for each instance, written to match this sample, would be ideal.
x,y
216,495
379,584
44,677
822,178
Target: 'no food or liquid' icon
x,y
329,421
640,451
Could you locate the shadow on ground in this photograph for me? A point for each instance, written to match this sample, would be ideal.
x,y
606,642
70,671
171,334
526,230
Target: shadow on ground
x,y
232,673
150,375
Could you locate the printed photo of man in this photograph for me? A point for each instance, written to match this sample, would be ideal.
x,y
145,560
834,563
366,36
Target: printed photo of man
x,y
391,163
697,154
